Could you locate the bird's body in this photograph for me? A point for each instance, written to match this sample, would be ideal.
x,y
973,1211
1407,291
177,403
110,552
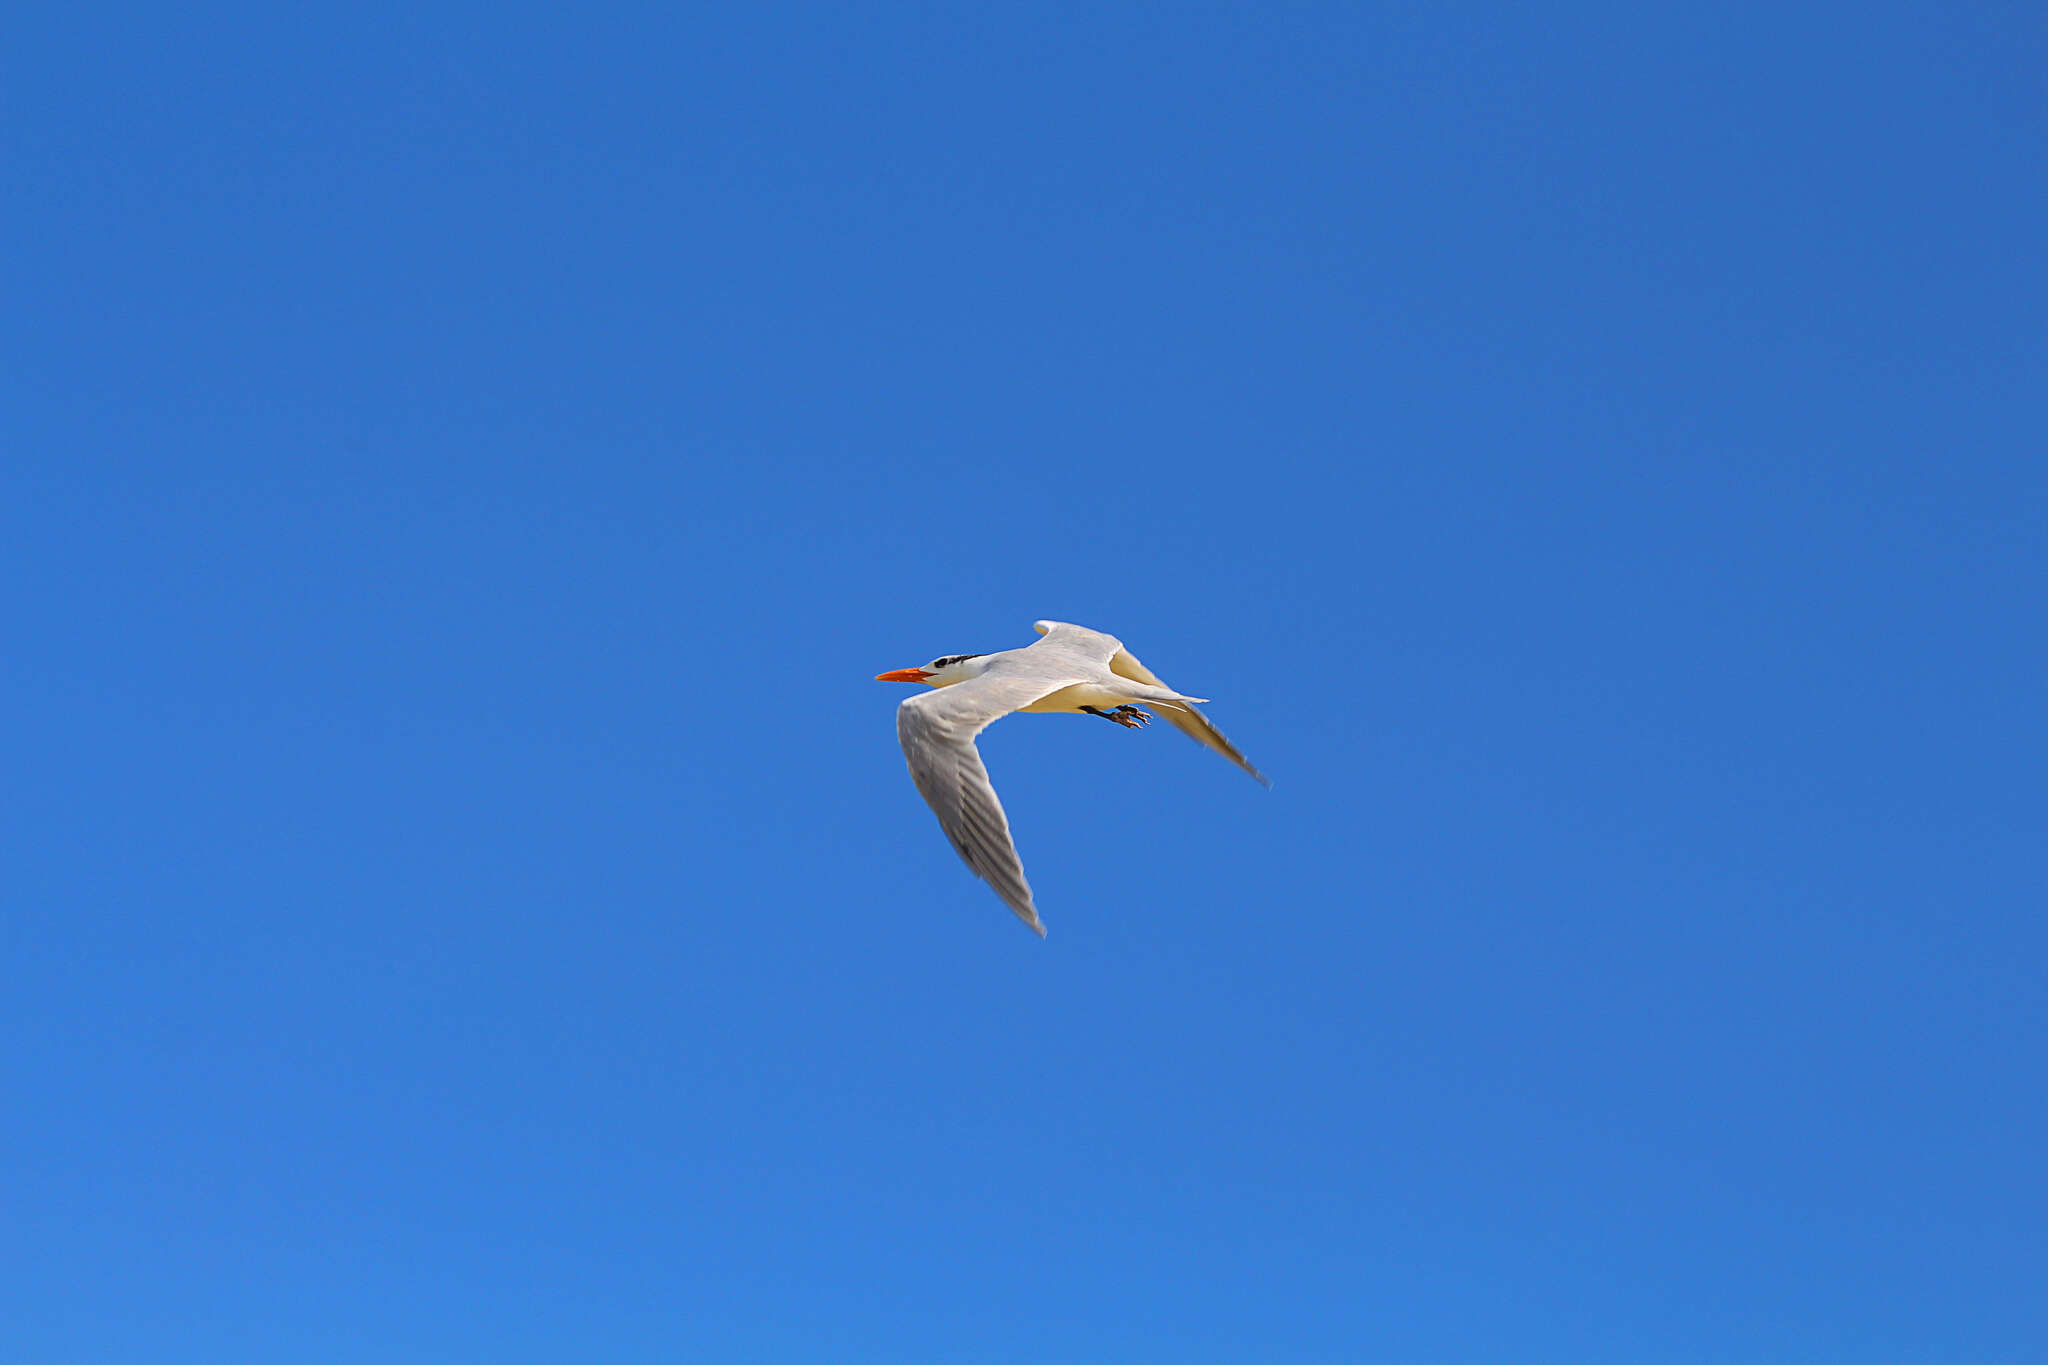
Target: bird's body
x,y
1080,699
1072,670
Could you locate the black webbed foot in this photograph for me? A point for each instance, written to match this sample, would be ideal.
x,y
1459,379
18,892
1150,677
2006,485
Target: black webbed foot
x,y
1130,717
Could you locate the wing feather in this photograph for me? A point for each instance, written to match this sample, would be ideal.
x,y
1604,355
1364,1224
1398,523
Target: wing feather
x,y
1065,637
937,731
1184,717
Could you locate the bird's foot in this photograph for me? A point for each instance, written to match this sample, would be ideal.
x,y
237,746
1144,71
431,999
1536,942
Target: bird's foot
x,y
1130,717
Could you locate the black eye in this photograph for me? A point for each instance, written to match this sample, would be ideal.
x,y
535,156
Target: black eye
x,y
948,660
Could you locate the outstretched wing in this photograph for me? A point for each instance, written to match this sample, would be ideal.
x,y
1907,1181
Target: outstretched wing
x,y
1061,637
937,730
1184,718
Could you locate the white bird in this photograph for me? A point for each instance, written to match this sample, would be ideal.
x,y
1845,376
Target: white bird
x,y
1073,669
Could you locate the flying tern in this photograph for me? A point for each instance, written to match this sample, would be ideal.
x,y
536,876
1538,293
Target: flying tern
x,y
1074,670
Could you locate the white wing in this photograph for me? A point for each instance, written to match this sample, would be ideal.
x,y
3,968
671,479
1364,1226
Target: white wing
x,y
937,730
1124,664
1064,637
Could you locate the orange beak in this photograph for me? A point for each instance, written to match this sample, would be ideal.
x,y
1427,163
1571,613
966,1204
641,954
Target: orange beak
x,y
903,675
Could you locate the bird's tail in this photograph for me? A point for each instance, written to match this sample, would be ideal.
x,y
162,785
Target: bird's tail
x,y
1173,701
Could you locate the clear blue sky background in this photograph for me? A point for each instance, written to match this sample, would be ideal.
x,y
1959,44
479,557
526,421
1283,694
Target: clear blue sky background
x,y
463,900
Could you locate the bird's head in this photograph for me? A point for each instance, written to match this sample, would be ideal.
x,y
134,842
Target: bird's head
x,y
942,672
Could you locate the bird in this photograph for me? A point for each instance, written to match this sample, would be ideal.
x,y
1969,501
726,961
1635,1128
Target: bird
x,y
1073,670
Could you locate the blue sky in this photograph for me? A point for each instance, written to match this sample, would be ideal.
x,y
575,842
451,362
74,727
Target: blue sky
x,y
463,899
